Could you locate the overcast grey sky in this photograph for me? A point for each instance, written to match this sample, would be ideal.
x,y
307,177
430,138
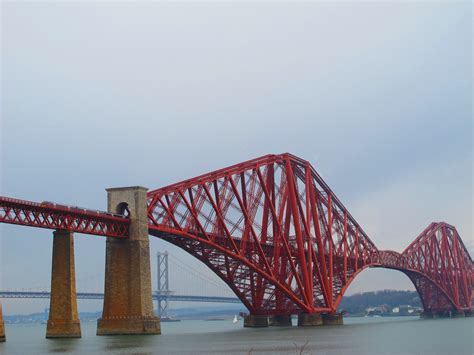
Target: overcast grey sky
x,y
378,96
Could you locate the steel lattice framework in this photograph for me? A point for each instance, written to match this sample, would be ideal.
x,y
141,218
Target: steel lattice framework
x,y
53,216
273,230
439,266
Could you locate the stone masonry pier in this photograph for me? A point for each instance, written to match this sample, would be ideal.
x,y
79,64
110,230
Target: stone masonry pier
x,y
63,321
128,306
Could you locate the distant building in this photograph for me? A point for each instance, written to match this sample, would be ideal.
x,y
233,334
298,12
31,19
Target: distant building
x,y
378,311
406,310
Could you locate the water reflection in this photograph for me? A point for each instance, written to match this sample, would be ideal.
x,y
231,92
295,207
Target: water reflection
x,y
361,336
63,345
123,342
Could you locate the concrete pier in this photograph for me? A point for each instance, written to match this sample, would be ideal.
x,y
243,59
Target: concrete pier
x,y
435,314
442,314
63,321
128,305
255,321
426,315
309,319
2,326
457,314
280,320
332,319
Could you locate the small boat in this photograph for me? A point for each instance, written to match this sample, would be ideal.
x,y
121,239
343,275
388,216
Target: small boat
x,y
235,320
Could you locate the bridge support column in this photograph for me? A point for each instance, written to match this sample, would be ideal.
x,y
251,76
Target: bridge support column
x,y
280,320
309,319
63,321
457,314
128,305
442,314
430,314
427,315
255,321
332,319
2,326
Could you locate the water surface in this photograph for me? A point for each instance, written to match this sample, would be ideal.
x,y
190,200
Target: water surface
x,y
371,336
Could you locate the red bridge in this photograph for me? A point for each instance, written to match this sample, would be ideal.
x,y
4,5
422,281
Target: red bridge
x,y
271,228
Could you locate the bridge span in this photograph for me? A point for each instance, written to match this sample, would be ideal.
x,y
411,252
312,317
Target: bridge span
x,y
270,228
98,296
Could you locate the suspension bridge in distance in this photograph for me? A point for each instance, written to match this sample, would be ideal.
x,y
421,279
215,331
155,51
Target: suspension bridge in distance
x,y
163,296
271,228
97,296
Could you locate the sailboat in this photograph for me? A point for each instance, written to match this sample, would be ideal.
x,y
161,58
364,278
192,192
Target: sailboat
x,y
235,319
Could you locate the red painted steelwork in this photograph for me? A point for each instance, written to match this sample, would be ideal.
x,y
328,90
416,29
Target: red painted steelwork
x,y
273,230
53,216
441,268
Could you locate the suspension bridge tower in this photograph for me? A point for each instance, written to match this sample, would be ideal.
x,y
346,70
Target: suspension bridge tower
x,y
163,289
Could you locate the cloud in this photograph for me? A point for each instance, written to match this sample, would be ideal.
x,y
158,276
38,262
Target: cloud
x,y
376,96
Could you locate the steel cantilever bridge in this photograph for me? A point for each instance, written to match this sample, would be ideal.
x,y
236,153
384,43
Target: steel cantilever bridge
x,y
276,234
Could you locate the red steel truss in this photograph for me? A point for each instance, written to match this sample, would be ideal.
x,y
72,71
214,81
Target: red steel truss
x,y
53,216
441,268
273,230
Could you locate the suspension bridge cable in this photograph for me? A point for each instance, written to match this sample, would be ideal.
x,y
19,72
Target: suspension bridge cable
x,y
203,277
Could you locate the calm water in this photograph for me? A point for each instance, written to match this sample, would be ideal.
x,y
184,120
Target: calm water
x,y
377,336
